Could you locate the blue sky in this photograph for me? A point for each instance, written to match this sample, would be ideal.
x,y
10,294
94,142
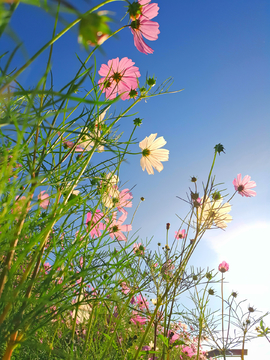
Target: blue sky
x,y
218,52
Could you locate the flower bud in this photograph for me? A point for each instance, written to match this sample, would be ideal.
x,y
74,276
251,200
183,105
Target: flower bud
x,y
151,82
142,198
168,226
219,148
223,267
134,10
208,275
193,179
211,292
216,195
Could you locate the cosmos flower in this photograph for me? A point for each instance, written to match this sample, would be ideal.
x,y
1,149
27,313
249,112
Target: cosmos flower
x,y
70,144
116,227
137,319
143,26
88,140
110,194
244,186
95,224
138,249
118,199
44,199
84,311
152,155
223,267
118,77
214,212
180,234
142,302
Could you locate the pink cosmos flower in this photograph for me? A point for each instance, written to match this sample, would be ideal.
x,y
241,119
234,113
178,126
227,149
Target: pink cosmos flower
x,y
188,351
138,249
143,26
116,227
69,144
243,186
114,198
223,267
19,205
95,224
44,199
180,234
142,302
125,288
138,319
118,77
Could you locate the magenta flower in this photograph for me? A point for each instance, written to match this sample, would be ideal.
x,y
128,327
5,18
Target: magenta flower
x,y
143,26
125,288
124,200
116,227
223,267
118,77
138,319
142,302
243,186
114,198
44,199
70,144
138,249
94,223
181,234
188,351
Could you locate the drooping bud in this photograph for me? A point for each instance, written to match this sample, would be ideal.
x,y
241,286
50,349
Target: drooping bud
x,y
135,10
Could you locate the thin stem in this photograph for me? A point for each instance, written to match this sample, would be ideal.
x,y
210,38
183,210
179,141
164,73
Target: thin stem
x,y
222,317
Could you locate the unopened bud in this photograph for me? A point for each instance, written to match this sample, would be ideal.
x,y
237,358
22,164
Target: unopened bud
x,y
168,226
211,292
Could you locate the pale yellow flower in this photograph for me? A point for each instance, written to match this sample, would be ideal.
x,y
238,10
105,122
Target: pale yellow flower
x,y
214,212
154,301
88,139
84,311
111,194
152,155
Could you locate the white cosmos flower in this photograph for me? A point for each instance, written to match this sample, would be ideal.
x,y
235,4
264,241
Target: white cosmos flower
x,y
152,155
215,213
88,140
111,192
84,311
